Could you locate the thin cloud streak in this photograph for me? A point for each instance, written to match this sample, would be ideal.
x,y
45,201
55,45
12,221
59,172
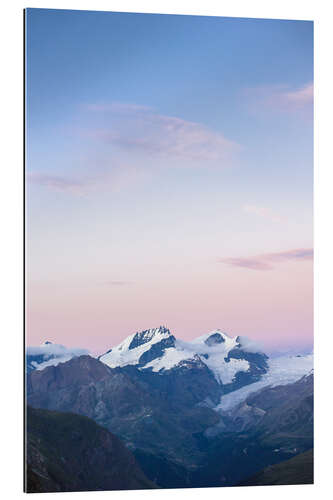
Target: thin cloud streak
x,y
249,263
117,283
265,262
116,178
59,183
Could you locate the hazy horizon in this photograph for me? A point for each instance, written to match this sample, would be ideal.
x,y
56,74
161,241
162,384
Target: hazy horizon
x,y
169,178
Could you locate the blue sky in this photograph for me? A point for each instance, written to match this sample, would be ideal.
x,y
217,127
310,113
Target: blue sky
x,y
157,145
80,56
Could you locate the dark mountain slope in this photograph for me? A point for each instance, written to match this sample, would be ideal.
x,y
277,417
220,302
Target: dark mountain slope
x,y
296,470
68,452
130,404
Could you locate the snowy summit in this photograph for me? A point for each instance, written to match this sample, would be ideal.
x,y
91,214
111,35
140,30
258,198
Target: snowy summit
x,y
158,350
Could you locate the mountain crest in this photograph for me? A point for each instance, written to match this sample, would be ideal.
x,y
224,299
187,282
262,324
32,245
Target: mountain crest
x,y
145,336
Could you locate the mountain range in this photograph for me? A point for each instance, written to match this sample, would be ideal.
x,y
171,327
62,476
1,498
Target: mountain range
x,y
210,412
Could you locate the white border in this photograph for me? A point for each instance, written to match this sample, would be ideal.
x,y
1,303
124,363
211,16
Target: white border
x,y
11,231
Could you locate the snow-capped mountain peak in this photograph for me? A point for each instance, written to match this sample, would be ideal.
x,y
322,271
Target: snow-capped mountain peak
x,y
132,350
158,350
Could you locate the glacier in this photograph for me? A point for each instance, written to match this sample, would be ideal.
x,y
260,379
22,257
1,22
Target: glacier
x,y
282,370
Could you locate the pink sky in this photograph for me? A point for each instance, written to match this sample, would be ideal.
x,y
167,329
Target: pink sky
x,y
169,178
272,306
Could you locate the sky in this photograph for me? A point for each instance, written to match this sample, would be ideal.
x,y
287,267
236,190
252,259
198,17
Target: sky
x,y
169,177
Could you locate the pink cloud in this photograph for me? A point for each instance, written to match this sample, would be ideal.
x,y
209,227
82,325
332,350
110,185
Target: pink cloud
x,y
265,262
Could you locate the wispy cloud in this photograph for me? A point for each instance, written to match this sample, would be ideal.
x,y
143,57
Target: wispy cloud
x,y
141,129
53,354
281,98
263,212
265,262
60,183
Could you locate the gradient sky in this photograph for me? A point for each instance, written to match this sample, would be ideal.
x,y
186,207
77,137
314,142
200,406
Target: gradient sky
x,y
169,177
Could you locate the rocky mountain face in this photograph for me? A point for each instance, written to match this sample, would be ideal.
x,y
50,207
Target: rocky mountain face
x,y
68,452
